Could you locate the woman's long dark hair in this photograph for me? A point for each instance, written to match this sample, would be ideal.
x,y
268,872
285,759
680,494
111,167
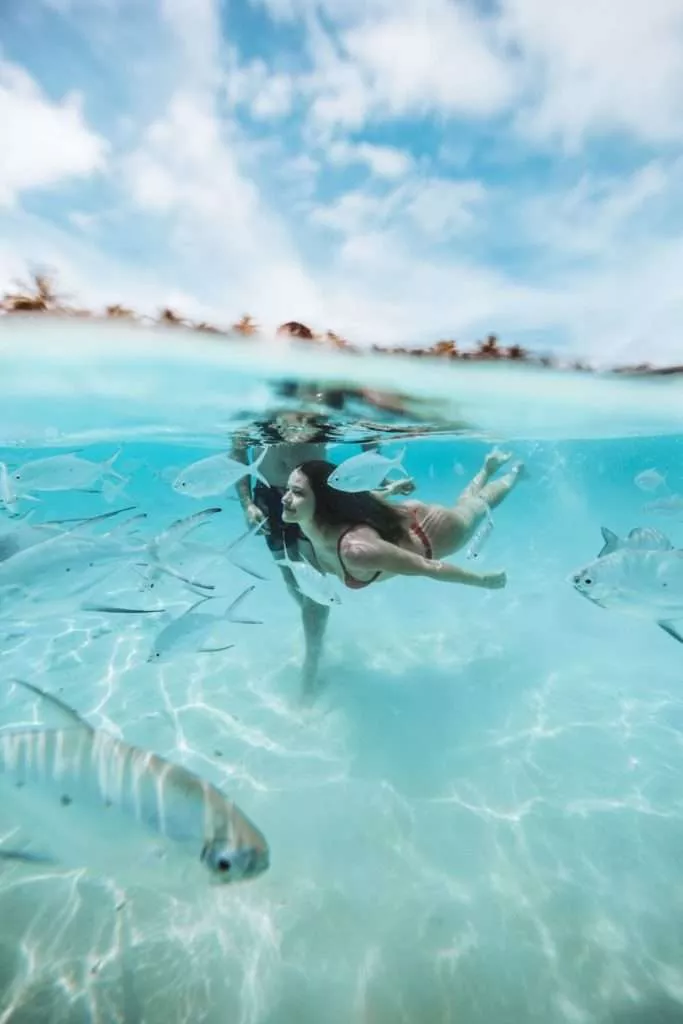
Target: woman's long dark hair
x,y
339,508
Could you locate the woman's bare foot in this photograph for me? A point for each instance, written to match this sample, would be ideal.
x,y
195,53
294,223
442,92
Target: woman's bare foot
x,y
495,459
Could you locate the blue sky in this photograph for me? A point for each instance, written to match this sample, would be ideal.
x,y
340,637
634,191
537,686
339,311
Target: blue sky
x,y
393,170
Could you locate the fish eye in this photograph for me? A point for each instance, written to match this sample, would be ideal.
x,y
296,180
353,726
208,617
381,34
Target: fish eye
x,y
223,863
588,581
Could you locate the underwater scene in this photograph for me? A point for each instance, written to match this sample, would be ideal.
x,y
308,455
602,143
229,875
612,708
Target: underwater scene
x,y
336,689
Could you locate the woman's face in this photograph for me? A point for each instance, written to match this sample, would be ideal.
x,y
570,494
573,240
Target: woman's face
x,y
298,501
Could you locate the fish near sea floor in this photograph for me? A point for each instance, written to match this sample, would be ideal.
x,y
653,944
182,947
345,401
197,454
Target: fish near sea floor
x,y
77,797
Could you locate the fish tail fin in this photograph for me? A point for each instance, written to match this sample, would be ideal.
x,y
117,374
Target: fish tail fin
x,y
397,461
196,586
669,628
246,568
181,528
111,490
251,532
108,466
124,528
254,468
235,605
611,542
259,476
175,534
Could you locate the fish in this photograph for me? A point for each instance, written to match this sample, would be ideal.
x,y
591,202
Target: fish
x,y
190,631
673,505
642,537
649,480
481,535
364,472
111,609
8,498
316,585
199,556
640,575
215,474
67,472
80,798
47,562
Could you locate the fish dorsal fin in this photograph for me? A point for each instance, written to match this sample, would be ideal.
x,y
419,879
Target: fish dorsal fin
x,y
230,614
195,606
179,529
612,542
649,539
66,717
82,524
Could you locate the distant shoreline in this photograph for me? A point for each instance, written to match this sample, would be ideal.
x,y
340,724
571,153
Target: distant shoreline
x,y
40,297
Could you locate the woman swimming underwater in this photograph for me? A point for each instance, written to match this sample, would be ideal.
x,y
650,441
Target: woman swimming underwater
x,y
363,539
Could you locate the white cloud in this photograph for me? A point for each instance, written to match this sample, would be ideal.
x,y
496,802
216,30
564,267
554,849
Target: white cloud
x,y
441,208
266,94
418,251
433,56
600,214
383,161
436,208
226,239
196,31
569,71
594,67
393,60
43,143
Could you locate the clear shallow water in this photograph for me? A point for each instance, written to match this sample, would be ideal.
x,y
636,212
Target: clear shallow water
x,y
480,820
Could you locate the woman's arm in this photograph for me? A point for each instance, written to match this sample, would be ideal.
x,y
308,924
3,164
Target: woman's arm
x,y
380,556
239,450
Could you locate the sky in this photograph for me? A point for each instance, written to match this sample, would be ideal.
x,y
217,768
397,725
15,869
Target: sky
x,y
399,171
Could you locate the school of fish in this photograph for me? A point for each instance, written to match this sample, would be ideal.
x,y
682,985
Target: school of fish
x,y
77,796
74,796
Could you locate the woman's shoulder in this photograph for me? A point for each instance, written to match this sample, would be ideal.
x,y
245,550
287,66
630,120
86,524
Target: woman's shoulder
x,y
358,541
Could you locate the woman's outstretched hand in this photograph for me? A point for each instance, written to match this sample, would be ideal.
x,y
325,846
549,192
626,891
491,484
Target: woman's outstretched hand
x,y
493,580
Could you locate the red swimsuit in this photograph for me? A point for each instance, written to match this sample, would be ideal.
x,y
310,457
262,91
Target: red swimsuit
x,y
355,584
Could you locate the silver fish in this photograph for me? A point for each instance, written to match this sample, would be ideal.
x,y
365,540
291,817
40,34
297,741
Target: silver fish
x,y
649,480
640,575
215,475
8,498
190,631
673,505
364,472
481,535
316,585
79,797
48,562
64,473
194,559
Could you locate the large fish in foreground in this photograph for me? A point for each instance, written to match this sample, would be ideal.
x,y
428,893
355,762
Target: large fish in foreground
x,y
640,575
78,797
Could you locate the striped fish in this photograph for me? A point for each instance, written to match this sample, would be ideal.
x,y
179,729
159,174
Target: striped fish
x,y
78,797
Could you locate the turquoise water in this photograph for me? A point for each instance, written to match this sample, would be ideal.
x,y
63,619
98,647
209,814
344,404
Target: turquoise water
x,y
479,820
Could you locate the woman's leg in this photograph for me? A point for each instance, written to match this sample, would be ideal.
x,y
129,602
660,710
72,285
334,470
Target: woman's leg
x,y
452,528
314,617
